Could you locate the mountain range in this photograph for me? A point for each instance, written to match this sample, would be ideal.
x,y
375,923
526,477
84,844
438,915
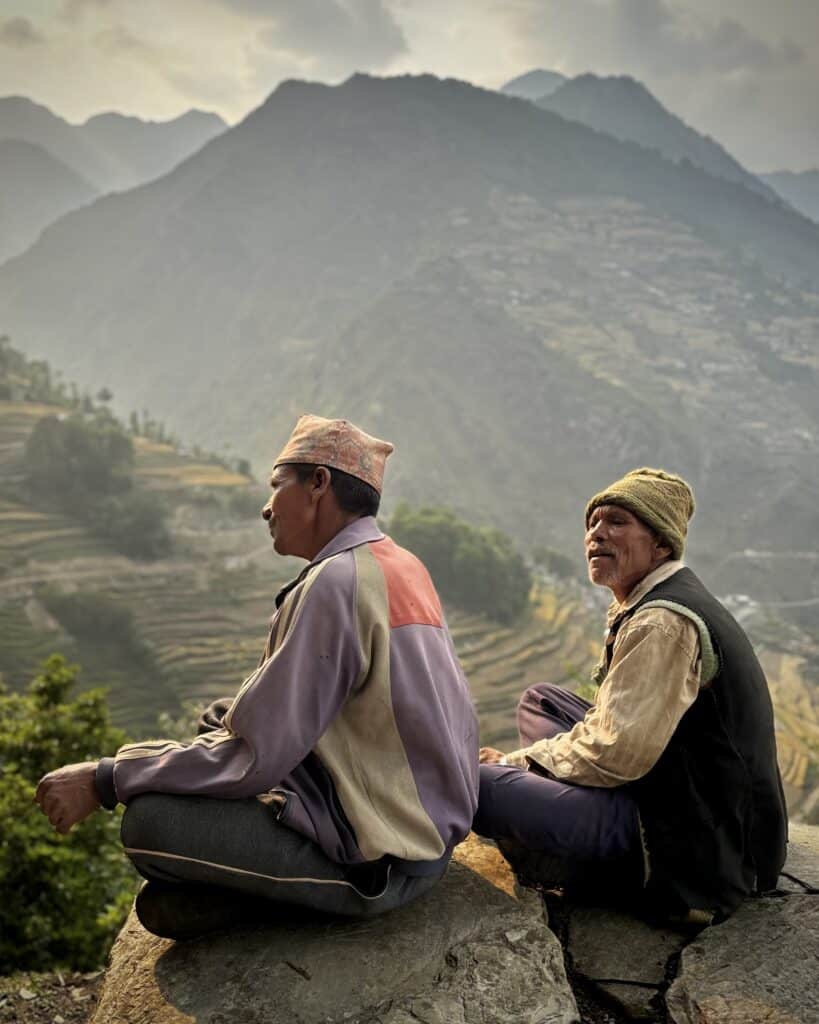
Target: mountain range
x,y
37,189
525,306
624,108
109,151
534,85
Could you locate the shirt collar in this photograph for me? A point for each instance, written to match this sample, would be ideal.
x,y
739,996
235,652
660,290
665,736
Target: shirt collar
x,y
360,531
662,572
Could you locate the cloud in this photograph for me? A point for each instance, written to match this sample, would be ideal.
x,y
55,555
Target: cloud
x,y
19,33
119,40
328,37
73,10
644,36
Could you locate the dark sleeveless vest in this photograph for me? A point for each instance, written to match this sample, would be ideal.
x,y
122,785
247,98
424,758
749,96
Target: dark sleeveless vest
x,y
712,807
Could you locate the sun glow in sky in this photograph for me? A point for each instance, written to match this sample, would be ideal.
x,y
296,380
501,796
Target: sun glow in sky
x,y
743,71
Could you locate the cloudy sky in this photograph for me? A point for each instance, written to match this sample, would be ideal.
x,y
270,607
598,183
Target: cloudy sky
x,y
743,71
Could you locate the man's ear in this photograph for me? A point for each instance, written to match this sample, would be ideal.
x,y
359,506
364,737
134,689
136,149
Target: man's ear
x,y
662,549
320,484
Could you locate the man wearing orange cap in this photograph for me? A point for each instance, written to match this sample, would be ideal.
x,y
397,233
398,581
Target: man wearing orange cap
x,y
666,790
344,771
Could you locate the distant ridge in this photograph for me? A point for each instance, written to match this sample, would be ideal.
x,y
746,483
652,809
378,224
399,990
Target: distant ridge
x,y
148,149
37,189
110,151
506,294
624,108
534,85
800,189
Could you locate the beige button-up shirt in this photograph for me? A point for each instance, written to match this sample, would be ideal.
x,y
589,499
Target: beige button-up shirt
x,y
653,679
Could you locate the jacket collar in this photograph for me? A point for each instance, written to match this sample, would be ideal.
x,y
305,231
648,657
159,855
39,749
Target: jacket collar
x,y
360,531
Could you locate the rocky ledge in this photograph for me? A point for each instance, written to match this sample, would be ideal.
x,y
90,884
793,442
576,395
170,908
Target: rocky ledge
x,y
759,967
469,952
477,950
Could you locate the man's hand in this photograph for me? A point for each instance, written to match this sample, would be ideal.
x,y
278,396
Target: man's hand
x,y
489,755
68,795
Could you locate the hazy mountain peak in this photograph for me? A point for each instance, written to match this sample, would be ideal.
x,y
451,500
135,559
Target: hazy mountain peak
x,y
362,247
623,107
112,117
533,85
21,109
22,103
624,86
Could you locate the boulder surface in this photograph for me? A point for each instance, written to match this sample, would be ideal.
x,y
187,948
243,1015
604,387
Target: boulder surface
x,y
465,953
758,967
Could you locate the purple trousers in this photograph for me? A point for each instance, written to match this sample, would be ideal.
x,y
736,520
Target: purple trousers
x,y
595,831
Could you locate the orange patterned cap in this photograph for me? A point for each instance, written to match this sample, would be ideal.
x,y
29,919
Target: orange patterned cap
x,y
337,444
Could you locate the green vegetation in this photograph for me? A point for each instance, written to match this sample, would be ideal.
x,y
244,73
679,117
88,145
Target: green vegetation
x,y
476,568
25,380
64,898
84,462
554,562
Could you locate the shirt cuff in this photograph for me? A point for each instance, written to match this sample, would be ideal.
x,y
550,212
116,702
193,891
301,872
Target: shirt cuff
x,y
104,781
517,758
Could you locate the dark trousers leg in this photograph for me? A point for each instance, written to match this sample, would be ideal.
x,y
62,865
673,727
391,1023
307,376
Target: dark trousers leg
x,y
546,710
593,832
239,845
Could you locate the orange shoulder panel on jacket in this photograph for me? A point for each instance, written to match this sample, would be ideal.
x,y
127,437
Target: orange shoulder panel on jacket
x,y
412,596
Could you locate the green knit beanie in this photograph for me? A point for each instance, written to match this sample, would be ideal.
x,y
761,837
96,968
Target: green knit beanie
x,y
664,501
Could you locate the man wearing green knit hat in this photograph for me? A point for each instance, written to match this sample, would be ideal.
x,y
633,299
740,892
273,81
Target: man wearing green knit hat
x,y
666,790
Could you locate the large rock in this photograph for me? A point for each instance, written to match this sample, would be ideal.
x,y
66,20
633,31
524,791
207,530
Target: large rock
x,y
802,865
759,967
466,953
622,956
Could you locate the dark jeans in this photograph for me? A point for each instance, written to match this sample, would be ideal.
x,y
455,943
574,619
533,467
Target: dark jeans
x,y
239,844
594,831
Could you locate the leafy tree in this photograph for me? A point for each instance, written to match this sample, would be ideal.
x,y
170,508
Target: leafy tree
x,y
76,460
84,464
27,380
554,562
477,569
134,523
64,898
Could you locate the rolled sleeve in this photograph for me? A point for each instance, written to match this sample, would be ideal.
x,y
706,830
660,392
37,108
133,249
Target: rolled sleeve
x,y
653,678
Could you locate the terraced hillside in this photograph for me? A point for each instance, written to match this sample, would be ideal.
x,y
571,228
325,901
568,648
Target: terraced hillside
x,y
556,643
185,629
155,633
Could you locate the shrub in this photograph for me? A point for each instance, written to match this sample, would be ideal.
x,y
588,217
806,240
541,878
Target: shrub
x,y
64,898
76,460
554,562
84,465
477,569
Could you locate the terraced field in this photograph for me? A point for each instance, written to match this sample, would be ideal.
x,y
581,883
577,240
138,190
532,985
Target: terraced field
x,y
797,716
196,623
557,643
161,467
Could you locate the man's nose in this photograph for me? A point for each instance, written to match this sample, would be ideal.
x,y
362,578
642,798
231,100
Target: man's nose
x,y
267,511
